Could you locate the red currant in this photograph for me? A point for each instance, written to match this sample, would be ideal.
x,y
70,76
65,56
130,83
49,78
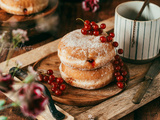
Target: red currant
x,y
115,44
109,38
103,26
62,87
117,67
83,31
121,64
116,62
120,85
96,32
59,80
119,78
92,23
49,82
87,27
58,92
90,32
49,72
95,27
53,89
86,22
120,60
40,77
51,77
120,51
117,57
103,39
117,74
46,78
124,73
55,85
111,34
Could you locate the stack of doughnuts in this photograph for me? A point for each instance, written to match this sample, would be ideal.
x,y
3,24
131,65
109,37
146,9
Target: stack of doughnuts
x,y
86,62
23,7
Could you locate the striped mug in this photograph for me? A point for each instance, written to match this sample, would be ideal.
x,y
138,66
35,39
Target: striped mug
x,y
145,44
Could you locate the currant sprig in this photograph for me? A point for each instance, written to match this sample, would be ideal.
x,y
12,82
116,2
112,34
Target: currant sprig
x,y
91,28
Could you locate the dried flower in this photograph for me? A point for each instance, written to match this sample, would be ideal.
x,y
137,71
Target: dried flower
x,y
6,82
19,35
90,5
31,99
12,39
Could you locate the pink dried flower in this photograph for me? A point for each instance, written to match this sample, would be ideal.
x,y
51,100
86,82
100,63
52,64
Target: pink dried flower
x,y
20,34
6,82
31,99
90,5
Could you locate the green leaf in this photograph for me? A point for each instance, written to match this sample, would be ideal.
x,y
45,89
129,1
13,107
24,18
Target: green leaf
x,y
2,102
3,118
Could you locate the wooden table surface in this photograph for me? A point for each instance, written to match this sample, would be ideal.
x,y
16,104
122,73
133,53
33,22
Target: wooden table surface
x,y
67,12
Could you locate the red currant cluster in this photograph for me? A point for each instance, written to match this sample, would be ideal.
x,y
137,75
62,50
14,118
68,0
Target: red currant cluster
x,y
56,83
119,73
91,28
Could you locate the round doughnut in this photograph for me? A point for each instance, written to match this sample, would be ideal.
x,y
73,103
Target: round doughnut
x,y
23,7
90,79
85,52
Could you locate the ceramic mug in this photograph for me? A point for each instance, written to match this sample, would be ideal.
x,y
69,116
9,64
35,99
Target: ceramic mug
x,y
146,43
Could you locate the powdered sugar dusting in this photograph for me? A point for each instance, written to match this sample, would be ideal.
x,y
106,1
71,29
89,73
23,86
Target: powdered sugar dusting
x,y
77,39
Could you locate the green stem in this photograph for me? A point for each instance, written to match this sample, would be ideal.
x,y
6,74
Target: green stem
x,y
15,71
16,37
80,19
17,44
10,52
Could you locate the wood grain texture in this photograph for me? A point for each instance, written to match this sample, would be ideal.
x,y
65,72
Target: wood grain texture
x,y
121,105
32,56
72,95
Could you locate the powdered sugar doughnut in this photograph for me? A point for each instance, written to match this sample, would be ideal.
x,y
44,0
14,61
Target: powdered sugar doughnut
x,y
23,7
90,79
85,52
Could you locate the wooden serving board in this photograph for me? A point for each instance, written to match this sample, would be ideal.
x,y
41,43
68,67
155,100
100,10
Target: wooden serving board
x,y
72,95
25,21
112,108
